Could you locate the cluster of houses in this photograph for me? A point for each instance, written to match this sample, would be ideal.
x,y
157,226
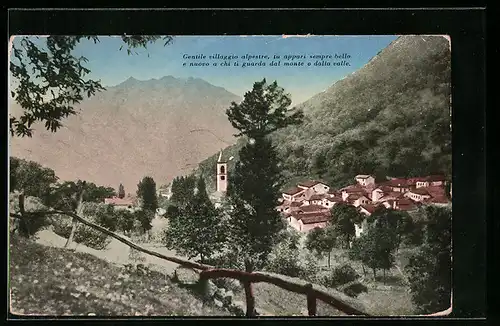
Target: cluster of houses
x,y
308,205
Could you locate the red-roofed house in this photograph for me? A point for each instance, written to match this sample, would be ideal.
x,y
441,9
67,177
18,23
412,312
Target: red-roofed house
x,y
380,192
404,204
311,209
418,194
367,209
398,185
365,180
431,180
315,187
357,199
128,203
307,221
352,190
294,194
329,202
316,199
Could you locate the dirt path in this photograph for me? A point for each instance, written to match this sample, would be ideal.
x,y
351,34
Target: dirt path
x,y
116,252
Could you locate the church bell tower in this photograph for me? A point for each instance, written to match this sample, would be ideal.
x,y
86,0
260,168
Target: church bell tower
x,y
221,174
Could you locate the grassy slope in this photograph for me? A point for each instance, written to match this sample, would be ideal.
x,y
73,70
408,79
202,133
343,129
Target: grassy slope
x,y
391,117
54,281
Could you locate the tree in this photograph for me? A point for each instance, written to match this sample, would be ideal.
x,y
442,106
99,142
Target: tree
x,y
429,269
256,181
144,218
375,248
121,191
320,242
344,216
399,221
30,177
146,191
124,220
50,80
197,229
183,190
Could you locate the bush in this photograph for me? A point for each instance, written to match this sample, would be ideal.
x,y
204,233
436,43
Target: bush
x,y
285,261
339,276
355,289
84,235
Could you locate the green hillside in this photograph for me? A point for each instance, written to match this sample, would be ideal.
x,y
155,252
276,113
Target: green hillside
x,y
391,117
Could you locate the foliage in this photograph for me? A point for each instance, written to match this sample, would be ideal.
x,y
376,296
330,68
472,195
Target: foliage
x,y
256,181
321,241
375,248
50,80
429,269
264,110
399,221
253,196
30,177
183,190
104,215
344,216
197,229
391,117
121,191
284,258
124,220
355,289
61,225
31,223
143,219
51,281
340,275
64,196
146,191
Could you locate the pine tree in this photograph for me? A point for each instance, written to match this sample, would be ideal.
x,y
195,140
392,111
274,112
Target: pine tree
x,y
121,191
256,180
146,191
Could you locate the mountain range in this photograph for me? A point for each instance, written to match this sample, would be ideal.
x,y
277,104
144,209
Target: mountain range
x,y
392,117
158,127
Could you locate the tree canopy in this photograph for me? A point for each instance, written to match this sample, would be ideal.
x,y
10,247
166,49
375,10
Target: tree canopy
x,y
256,180
49,80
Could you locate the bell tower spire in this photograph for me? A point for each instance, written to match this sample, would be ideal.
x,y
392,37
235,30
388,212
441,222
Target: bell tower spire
x,y
221,174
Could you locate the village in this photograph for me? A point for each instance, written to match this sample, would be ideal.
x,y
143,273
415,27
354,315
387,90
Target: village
x,y
308,205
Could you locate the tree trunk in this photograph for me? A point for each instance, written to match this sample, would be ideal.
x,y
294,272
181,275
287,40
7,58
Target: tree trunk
x,y
329,256
74,225
374,274
384,275
364,270
250,300
202,259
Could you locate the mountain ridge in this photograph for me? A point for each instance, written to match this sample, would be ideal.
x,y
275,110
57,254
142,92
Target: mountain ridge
x,y
390,117
133,129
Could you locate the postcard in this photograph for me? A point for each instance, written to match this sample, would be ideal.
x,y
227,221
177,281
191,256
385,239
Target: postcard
x,y
250,175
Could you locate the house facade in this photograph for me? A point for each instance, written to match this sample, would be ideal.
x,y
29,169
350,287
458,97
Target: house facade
x,y
365,180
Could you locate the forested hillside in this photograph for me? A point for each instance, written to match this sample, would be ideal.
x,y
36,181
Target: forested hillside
x,y
391,117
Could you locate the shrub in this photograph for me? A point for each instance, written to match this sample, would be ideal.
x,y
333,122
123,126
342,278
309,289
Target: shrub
x,y
285,261
355,289
84,235
340,275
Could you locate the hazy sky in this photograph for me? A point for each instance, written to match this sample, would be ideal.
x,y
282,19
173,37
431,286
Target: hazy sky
x,y
113,66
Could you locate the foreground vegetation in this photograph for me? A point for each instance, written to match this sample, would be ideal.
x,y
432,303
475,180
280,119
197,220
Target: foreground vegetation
x,y
54,281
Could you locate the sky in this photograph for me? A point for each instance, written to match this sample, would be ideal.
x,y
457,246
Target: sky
x,y
112,66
